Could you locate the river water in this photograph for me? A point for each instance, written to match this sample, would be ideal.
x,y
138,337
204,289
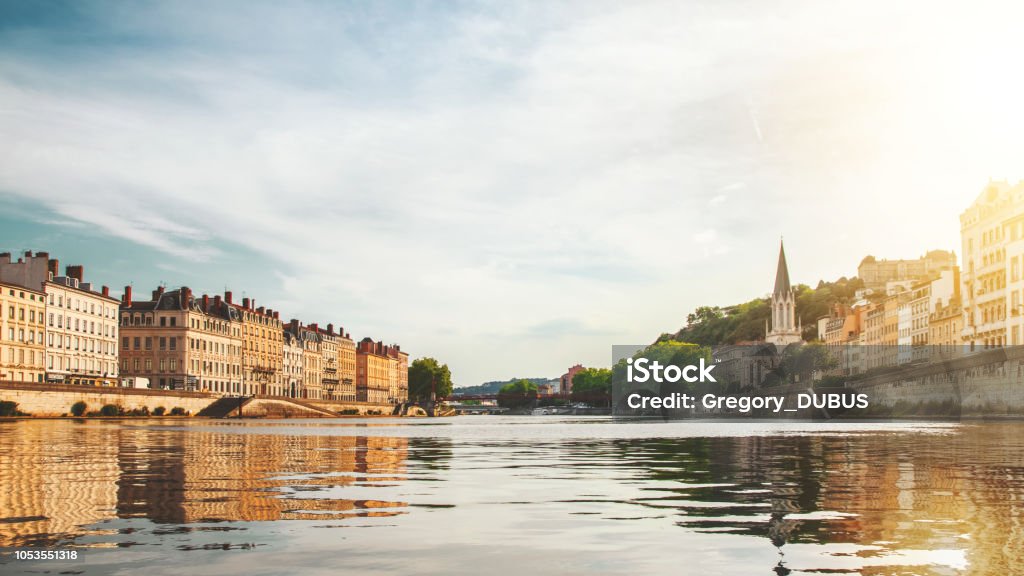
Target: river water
x,y
512,495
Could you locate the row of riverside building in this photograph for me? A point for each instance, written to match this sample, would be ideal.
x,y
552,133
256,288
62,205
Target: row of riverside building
x,y
932,301
61,329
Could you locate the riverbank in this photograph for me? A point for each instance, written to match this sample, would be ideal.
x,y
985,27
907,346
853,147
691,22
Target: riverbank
x,y
39,400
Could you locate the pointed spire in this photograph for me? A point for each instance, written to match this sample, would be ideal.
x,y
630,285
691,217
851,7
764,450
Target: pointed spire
x,y
782,274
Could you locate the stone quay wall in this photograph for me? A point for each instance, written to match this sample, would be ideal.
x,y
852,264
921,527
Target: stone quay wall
x,y
987,383
56,399
38,399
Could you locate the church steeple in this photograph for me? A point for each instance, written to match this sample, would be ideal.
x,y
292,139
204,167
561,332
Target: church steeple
x,y
785,326
782,274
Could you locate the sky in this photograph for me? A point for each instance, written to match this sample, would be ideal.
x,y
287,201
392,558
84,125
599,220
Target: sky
x,y
510,187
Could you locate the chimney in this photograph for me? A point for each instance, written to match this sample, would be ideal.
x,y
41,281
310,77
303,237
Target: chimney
x,y
314,327
54,268
245,303
77,272
252,304
206,303
261,310
28,253
216,302
330,328
127,298
227,297
277,315
42,254
105,291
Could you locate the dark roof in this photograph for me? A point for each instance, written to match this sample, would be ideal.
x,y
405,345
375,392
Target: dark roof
x,y
183,299
782,274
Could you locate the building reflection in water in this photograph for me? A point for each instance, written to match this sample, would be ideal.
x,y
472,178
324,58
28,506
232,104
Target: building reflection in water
x,y
58,481
886,493
859,502
52,484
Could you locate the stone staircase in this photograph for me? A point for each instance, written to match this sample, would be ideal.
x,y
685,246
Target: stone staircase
x,y
224,408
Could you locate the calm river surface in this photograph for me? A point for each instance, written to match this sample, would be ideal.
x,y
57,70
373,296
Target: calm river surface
x,y
512,495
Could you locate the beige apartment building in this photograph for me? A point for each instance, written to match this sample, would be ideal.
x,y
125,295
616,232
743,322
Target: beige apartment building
x,y
308,338
398,375
338,363
329,379
81,322
382,373
372,367
262,348
22,349
992,282
312,364
292,366
945,326
347,367
178,341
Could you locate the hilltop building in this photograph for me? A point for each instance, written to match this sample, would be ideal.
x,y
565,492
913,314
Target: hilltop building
x,y
879,274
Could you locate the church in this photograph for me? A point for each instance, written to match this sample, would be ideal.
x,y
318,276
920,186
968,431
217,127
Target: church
x,y
785,328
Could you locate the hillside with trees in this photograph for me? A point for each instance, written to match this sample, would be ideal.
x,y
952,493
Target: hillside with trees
x,y
495,386
714,325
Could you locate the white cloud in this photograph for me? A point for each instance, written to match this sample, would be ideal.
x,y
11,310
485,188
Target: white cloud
x,y
446,179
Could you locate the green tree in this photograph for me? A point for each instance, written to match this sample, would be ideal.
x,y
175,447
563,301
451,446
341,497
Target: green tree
x,y
518,394
714,326
592,386
799,363
426,375
672,353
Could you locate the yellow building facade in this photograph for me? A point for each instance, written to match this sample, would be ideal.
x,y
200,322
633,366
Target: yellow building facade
x,y
262,348
22,328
